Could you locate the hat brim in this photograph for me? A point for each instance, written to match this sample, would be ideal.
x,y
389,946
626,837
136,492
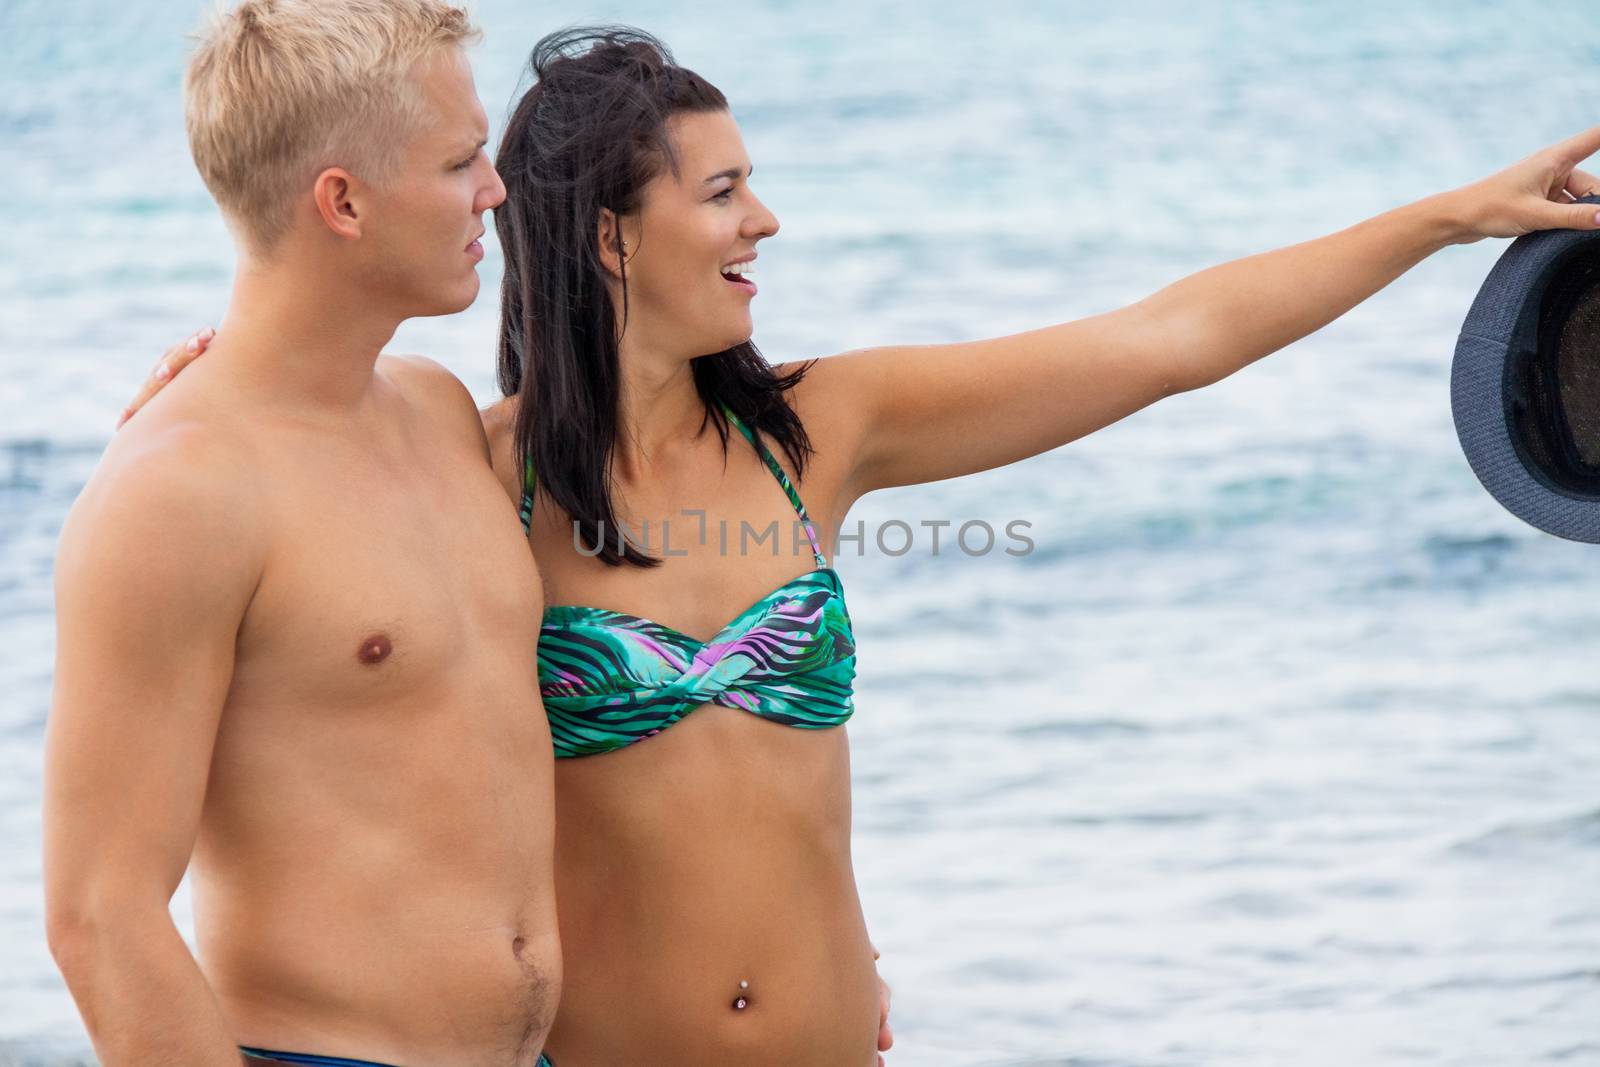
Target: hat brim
x,y
1500,330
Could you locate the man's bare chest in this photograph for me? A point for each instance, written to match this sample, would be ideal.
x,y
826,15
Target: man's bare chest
x,y
388,580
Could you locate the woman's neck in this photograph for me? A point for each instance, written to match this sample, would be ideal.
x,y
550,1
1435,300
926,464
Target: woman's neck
x,y
658,407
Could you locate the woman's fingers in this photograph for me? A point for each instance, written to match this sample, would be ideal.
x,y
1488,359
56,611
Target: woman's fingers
x,y
1579,147
1538,193
885,1034
1582,183
174,360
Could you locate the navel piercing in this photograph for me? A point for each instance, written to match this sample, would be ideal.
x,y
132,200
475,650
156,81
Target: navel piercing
x,y
741,1002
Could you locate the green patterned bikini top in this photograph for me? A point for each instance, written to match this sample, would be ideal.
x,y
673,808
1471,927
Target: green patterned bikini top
x,y
610,679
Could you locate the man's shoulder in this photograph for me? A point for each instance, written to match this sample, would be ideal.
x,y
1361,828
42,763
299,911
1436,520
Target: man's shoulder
x,y
422,380
419,371
431,388
175,456
169,491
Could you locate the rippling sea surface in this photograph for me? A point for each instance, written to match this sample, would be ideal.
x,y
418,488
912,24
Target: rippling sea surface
x,y
1280,747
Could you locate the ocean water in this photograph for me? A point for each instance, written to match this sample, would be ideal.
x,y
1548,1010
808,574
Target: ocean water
x,y
1281,745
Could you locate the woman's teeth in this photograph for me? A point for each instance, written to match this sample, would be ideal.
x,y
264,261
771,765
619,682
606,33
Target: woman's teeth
x,y
737,269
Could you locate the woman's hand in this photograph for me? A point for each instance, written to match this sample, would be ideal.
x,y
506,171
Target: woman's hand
x,y
1535,194
885,1035
176,358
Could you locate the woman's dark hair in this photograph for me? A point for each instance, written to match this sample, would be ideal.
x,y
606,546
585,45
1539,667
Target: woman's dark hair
x,y
589,134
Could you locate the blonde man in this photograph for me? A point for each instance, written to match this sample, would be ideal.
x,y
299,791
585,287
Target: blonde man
x,y
295,613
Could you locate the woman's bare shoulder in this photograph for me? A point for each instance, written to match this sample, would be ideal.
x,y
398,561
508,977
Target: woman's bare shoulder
x,y
500,419
499,425
828,401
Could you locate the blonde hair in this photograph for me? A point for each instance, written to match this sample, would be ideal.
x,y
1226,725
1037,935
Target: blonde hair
x,y
279,90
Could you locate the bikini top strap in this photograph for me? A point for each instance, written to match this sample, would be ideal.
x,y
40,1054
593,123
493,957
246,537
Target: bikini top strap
x,y
530,482
783,480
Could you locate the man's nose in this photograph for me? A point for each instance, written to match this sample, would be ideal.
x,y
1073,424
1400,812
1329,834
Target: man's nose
x,y
495,194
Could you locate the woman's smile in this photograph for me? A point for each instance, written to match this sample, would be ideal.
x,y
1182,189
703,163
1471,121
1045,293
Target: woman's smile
x,y
739,273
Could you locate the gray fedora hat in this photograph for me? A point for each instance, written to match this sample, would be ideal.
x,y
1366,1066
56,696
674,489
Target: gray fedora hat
x,y
1525,386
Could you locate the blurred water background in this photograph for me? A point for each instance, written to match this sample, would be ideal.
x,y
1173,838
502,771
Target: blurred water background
x,y
1279,748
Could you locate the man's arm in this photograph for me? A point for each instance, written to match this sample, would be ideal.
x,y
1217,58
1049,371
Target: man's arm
x,y
156,565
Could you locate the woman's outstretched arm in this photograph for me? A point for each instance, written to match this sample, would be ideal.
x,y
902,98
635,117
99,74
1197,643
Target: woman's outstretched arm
x,y
938,411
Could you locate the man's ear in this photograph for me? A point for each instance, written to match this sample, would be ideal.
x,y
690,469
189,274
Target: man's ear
x,y
615,245
336,193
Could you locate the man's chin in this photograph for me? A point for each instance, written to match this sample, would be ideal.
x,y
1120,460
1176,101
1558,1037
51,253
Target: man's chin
x,y
449,303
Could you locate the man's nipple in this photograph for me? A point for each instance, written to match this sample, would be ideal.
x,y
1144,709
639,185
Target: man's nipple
x,y
374,650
